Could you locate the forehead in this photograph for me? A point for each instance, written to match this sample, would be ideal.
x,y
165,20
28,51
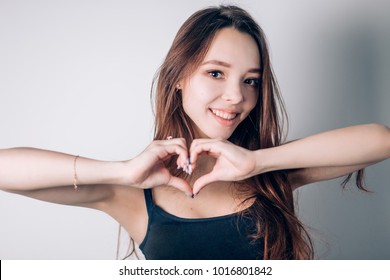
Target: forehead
x,y
235,48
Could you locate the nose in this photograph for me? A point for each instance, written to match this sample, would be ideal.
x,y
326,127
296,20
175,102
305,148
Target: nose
x,y
233,93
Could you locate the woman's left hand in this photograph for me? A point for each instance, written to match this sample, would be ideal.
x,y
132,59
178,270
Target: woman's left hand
x,y
233,163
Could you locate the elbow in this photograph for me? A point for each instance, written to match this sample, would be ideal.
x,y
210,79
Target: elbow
x,y
383,135
387,139
2,183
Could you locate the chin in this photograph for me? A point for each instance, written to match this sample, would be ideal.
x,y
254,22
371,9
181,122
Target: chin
x,y
213,132
214,135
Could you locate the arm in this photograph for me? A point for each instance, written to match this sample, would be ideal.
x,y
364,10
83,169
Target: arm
x,y
24,169
328,155
49,175
305,176
354,145
319,157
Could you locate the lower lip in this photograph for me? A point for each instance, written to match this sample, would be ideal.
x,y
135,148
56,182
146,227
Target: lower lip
x,y
225,122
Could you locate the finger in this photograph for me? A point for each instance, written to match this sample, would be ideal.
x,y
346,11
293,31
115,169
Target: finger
x,y
181,142
202,146
180,184
167,151
203,181
178,141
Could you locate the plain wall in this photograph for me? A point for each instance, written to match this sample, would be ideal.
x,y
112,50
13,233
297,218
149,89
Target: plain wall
x,y
75,77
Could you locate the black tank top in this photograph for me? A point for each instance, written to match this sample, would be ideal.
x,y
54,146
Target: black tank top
x,y
169,237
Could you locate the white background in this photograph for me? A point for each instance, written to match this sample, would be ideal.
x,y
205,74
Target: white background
x,y
75,76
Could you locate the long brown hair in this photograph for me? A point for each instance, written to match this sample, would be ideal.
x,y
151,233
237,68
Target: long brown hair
x,y
284,235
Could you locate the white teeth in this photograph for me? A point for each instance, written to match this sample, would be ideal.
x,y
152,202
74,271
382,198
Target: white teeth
x,y
223,115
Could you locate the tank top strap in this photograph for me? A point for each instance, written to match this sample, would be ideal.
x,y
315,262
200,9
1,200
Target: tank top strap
x,y
148,200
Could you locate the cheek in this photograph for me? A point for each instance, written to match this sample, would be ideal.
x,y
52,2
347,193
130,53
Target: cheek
x,y
251,102
198,92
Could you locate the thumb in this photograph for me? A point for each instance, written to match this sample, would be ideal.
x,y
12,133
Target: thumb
x,y
202,181
180,184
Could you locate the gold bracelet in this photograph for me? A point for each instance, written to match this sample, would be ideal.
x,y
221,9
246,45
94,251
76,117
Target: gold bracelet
x,y
75,173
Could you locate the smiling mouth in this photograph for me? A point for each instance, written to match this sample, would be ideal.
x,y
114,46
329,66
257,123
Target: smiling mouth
x,y
224,115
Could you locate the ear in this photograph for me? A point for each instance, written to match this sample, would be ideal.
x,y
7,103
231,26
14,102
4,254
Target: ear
x,y
179,85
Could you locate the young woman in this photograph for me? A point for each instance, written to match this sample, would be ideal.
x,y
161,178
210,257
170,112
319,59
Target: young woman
x,y
217,181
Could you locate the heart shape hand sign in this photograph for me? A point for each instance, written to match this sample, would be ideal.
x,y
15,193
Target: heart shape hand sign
x,y
229,163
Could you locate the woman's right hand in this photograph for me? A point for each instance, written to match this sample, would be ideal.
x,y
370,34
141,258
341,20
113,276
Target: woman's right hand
x,y
147,170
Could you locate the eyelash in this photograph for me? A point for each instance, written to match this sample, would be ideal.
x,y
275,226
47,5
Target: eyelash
x,y
253,82
216,74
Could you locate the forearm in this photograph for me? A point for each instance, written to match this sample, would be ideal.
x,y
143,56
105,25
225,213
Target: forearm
x,y
28,169
357,145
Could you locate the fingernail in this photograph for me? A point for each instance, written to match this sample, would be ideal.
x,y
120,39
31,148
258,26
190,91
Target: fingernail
x,y
195,194
188,169
178,167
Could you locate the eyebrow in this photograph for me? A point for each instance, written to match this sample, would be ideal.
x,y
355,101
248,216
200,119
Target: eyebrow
x,y
225,64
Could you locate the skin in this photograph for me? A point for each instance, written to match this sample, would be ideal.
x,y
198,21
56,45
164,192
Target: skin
x,y
117,187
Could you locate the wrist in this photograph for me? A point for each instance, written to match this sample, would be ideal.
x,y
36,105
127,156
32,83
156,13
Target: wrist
x,y
266,160
261,162
90,172
117,173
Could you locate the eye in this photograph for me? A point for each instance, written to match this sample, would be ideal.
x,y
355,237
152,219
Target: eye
x,y
215,74
254,82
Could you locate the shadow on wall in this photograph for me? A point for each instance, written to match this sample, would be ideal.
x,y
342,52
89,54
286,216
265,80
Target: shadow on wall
x,y
352,72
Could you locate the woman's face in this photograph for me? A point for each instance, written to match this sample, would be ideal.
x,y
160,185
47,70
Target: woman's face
x,y
221,93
